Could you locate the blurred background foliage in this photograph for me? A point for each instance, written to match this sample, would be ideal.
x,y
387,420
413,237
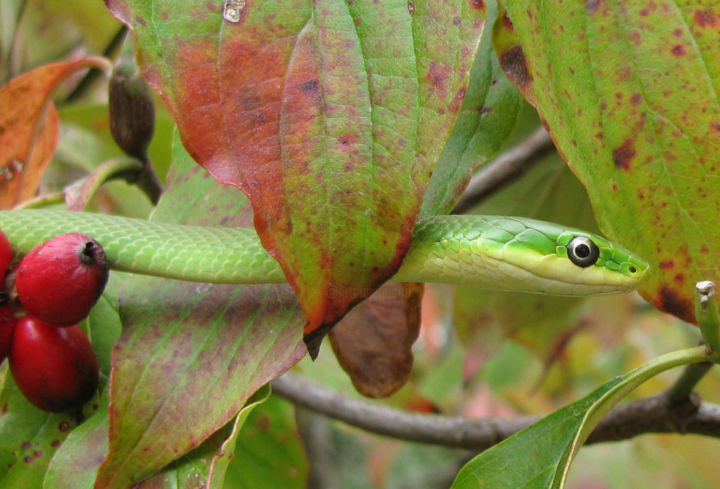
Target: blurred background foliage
x,y
479,354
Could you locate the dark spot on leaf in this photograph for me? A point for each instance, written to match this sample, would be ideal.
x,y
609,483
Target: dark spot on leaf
x,y
140,20
679,278
457,100
678,50
484,110
55,443
438,74
164,15
636,99
623,155
37,453
635,37
666,264
25,445
704,249
64,425
456,20
705,18
309,85
411,8
27,459
513,63
264,423
592,6
507,22
715,125
677,33
672,303
478,4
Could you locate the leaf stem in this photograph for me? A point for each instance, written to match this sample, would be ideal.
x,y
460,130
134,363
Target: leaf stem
x,y
79,193
706,313
43,200
94,74
683,387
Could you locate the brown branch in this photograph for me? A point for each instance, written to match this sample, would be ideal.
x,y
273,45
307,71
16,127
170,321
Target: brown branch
x,y
655,414
504,169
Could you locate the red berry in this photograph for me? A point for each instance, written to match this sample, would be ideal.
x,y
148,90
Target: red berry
x,y
60,280
7,325
6,256
55,368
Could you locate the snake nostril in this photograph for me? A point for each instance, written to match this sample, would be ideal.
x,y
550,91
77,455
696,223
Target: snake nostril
x,y
633,269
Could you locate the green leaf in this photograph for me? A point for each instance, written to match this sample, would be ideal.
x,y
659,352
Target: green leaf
x,y
328,114
540,456
269,453
629,93
76,462
487,117
191,354
103,325
28,438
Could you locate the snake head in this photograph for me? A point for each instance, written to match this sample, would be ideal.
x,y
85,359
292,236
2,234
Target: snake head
x,y
596,260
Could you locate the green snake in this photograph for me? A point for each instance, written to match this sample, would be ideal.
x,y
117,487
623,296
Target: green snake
x,y
505,253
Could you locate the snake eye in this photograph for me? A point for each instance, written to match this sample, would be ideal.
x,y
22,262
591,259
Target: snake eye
x,y
582,251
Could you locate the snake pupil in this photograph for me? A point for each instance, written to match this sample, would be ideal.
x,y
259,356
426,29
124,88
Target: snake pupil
x,y
582,251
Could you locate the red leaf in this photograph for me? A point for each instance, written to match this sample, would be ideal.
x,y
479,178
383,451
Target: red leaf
x,y
329,115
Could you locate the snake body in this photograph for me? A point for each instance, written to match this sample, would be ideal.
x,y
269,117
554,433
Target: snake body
x,y
505,253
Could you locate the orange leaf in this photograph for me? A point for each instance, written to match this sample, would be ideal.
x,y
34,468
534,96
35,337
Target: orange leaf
x,y
29,127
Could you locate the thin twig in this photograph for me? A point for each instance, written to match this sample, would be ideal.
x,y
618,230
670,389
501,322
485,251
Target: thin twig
x,y
655,414
371,416
504,169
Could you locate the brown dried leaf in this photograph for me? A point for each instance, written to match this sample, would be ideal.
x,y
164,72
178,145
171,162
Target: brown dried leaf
x,y
373,342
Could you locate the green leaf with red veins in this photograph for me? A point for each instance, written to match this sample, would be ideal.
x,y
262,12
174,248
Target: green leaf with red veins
x,y
191,354
328,114
209,461
629,91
